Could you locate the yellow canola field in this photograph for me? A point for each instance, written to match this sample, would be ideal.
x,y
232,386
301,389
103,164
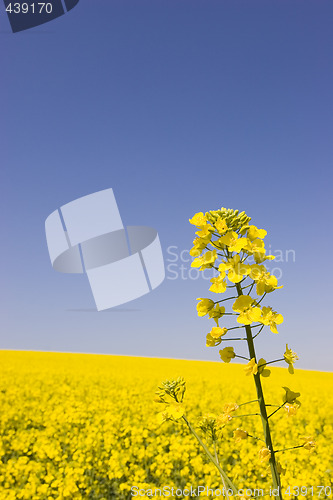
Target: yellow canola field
x,y
84,426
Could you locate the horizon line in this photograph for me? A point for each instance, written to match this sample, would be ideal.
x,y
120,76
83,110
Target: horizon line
x,y
145,357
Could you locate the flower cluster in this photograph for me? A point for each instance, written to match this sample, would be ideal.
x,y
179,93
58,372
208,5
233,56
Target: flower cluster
x,y
171,395
227,243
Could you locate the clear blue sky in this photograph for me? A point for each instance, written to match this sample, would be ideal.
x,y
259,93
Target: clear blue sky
x,y
179,106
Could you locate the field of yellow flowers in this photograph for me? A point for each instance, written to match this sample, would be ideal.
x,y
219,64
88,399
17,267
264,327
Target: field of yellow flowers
x,y
84,426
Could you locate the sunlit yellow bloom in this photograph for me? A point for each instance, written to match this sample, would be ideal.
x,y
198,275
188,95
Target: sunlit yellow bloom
x,y
199,244
162,416
253,232
205,232
264,454
219,284
199,220
271,318
251,368
232,241
257,249
223,419
279,468
230,407
291,409
309,443
217,332
221,226
211,342
256,246
227,354
206,260
265,282
290,396
290,357
236,269
262,370
261,257
204,306
216,313
213,338
239,435
248,314
173,411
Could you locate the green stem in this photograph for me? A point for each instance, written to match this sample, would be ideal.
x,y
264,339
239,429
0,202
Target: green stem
x,y
247,415
254,437
256,335
239,338
248,402
217,461
279,408
210,456
262,406
223,300
270,362
261,298
293,448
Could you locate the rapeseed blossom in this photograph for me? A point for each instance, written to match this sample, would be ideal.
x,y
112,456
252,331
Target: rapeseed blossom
x,y
80,426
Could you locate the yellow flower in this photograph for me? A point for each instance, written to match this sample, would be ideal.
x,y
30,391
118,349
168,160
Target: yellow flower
x,y
262,370
248,314
216,313
253,232
161,417
213,338
230,407
223,419
199,220
290,357
279,468
219,284
239,435
232,241
271,318
251,368
309,443
211,342
290,396
204,306
265,282
236,269
176,411
206,260
227,354
291,409
221,226
205,232
199,244
171,412
264,454
217,332
256,247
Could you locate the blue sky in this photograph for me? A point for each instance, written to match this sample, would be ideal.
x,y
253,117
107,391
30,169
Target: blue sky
x,y
180,107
